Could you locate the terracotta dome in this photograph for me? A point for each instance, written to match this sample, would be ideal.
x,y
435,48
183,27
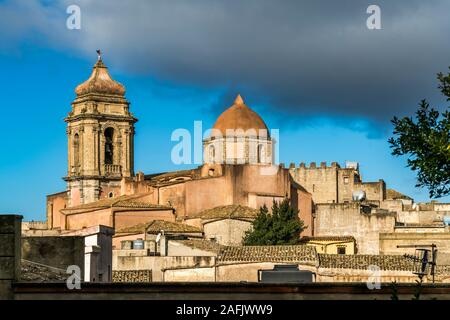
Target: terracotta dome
x,y
100,82
239,116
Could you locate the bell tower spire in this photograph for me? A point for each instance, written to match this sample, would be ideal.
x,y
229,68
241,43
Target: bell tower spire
x,y
100,130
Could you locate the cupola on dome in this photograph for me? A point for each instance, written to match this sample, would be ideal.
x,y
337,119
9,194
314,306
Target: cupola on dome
x,y
100,82
240,117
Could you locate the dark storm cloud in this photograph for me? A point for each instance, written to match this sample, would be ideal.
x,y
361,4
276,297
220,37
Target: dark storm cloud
x,y
305,58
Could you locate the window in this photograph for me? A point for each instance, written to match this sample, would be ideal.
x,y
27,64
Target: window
x,y
341,250
212,153
109,146
260,153
76,150
346,179
110,195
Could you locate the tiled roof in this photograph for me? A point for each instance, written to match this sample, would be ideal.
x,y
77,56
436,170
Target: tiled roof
x,y
118,202
36,272
230,211
297,253
362,262
328,238
171,177
202,245
394,194
156,226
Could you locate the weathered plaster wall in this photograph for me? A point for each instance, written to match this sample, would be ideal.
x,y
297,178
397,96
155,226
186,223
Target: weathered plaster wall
x,y
58,252
347,220
228,232
157,264
390,241
9,253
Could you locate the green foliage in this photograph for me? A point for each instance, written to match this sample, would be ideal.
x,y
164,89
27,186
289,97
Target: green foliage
x,y
426,142
281,227
394,289
418,290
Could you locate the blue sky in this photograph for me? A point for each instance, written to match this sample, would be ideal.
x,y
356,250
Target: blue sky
x,y
39,72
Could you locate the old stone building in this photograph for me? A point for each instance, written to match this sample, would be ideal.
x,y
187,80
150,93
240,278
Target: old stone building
x,y
203,213
100,130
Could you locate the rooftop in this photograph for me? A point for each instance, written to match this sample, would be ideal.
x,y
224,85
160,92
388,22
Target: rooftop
x,y
36,272
240,116
118,202
156,226
100,82
202,245
227,212
328,238
294,253
362,262
395,195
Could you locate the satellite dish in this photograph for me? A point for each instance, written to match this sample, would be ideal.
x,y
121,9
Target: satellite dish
x,y
359,195
158,237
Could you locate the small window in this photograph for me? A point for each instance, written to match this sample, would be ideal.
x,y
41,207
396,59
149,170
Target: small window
x,y
346,180
340,250
260,153
212,154
110,195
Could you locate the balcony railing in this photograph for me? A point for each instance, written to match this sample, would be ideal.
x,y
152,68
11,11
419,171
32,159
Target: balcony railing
x,y
113,169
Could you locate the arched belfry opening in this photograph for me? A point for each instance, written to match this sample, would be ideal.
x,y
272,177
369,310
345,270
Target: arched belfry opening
x,y
109,146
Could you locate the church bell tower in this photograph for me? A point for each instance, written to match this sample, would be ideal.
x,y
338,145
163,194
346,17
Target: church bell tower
x,y
100,131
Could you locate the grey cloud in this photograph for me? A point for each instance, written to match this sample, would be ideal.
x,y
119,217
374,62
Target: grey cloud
x,y
305,58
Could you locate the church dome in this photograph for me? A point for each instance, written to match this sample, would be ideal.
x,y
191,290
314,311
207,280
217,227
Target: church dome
x,y
240,116
100,82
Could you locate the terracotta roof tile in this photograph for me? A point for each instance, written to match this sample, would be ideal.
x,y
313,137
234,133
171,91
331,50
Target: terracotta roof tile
x,y
230,211
202,245
362,262
328,238
394,194
118,202
36,272
297,253
156,226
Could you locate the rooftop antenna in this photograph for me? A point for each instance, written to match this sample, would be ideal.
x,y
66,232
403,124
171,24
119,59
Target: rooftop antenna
x,y
424,259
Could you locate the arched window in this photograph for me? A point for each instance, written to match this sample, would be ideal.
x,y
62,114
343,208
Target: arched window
x,y
212,153
76,150
260,152
109,146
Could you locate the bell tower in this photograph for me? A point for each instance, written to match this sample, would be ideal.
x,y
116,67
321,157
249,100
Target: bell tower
x,y
100,131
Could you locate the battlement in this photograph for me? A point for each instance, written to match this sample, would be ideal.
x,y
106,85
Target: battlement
x,y
313,165
354,166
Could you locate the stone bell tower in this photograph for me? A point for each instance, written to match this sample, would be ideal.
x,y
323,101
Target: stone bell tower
x,y
100,130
